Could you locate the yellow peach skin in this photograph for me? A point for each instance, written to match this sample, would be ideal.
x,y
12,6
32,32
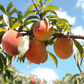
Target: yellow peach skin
x,y
42,31
36,52
63,47
10,42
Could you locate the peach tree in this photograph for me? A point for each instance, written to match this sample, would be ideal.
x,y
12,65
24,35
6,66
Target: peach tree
x,y
39,27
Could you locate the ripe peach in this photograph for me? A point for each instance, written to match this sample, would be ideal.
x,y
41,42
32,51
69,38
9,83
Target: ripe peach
x,y
45,59
42,31
41,82
36,52
33,81
10,42
63,47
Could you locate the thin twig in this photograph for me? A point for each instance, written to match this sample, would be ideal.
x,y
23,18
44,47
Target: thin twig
x,y
37,9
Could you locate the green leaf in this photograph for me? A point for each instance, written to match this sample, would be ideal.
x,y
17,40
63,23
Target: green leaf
x,y
30,17
66,28
54,16
29,11
16,25
19,14
41,4
73,76
50,7
27,28
48,1
31,29
78,59
59,29
1,66
21,59
68,74
29,22
54,22
31,7
13,11
26,14
14,19
1,17
63,24
1,33
23,46
29,63
1,29
7,19
14,59
48,11
63,21
10,5
3,58
50,41
54,58
2,62
8,59
3,25
2,8
20,28
79,47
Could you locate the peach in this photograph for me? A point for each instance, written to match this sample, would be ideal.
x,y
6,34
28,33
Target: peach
x,y
42,31
41,82
63,47
33,81
36,52
10,42
45,59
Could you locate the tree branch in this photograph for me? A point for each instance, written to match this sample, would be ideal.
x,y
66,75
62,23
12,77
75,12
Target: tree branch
x,y
57,35
37,9
68,35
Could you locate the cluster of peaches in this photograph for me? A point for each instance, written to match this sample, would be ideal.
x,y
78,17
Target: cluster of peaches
x,y
37,53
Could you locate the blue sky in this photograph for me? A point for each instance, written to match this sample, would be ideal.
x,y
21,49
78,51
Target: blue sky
x,y
73,11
